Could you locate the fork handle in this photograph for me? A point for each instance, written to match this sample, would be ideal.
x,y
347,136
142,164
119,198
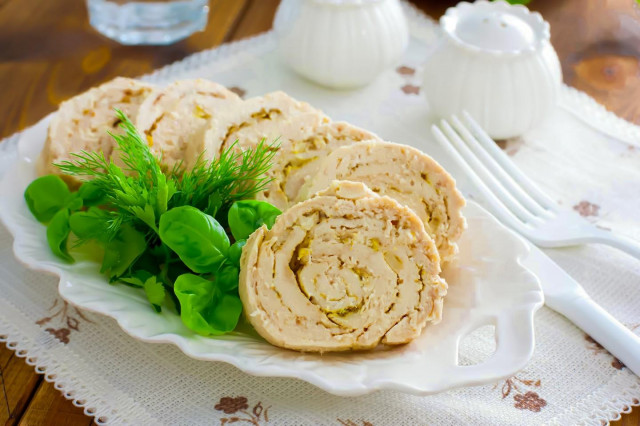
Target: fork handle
x,y
621,342
625,244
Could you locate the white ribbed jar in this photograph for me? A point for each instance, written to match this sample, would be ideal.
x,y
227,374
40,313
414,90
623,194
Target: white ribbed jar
x,y
495,61
341,43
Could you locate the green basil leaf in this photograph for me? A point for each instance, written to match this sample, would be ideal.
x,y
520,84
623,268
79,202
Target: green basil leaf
x,y
197,238
155,292
227,312
227,278
90,224
122,251
248,215
45,196
73,202
235,252
91,194
205,309
58,233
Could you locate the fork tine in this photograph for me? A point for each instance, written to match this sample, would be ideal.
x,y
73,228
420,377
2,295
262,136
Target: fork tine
x,y
507,165
498,208
496,169
487,178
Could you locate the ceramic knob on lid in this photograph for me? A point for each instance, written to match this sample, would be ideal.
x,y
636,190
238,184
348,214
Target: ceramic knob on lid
x,y
341,43
495,61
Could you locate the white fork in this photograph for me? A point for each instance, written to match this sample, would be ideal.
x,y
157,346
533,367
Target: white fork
x,y
513,197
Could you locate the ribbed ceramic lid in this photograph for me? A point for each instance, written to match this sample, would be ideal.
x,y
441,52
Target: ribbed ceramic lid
x,y
495,27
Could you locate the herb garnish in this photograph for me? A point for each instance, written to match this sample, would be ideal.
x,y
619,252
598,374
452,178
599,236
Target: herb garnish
x,y
162,231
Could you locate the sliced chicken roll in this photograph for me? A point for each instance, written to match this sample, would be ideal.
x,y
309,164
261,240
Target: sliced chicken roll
x,y
346,269
83,121
407,175
304,135
298,159
274,117
264,117
175,118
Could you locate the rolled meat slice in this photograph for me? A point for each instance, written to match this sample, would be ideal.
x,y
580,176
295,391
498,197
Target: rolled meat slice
x,y
83,121
407,175
298,159
304,136
174,119
346,269
274,115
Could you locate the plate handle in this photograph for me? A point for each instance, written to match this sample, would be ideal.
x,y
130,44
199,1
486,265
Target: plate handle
x,y
515,342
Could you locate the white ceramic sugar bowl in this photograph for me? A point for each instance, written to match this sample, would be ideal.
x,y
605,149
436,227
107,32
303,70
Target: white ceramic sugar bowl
x,y
495,60
341,43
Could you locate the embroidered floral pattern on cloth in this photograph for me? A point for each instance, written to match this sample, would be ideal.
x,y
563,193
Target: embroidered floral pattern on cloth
x,y
66,317
570,380
524,400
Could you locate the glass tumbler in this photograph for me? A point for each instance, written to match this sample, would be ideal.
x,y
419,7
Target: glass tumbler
x,y
148,22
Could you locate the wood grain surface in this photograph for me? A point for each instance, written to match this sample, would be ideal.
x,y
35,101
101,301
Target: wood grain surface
x,y
48,53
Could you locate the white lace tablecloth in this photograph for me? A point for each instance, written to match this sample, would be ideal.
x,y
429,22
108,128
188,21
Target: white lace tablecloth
x,y
586,158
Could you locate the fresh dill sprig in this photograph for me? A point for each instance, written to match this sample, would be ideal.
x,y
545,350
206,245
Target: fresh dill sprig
x,y
175,234
232,176
140,191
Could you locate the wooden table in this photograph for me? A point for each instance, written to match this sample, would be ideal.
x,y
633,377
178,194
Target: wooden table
x,y
48,53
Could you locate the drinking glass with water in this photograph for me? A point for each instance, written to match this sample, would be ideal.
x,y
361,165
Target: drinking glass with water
x,y
148,21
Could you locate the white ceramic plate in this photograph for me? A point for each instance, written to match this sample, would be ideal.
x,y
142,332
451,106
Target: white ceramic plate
x,y
488,285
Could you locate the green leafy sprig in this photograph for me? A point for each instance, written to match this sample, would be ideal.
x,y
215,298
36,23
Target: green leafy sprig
x,y
231,177
162,231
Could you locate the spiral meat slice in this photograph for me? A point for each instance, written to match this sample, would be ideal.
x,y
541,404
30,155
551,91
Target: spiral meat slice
x,y
346,269
176,117
298,159
83,121
274,115
304,136
407,175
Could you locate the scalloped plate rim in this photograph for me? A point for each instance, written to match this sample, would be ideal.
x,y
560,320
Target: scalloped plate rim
x,y
365,386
